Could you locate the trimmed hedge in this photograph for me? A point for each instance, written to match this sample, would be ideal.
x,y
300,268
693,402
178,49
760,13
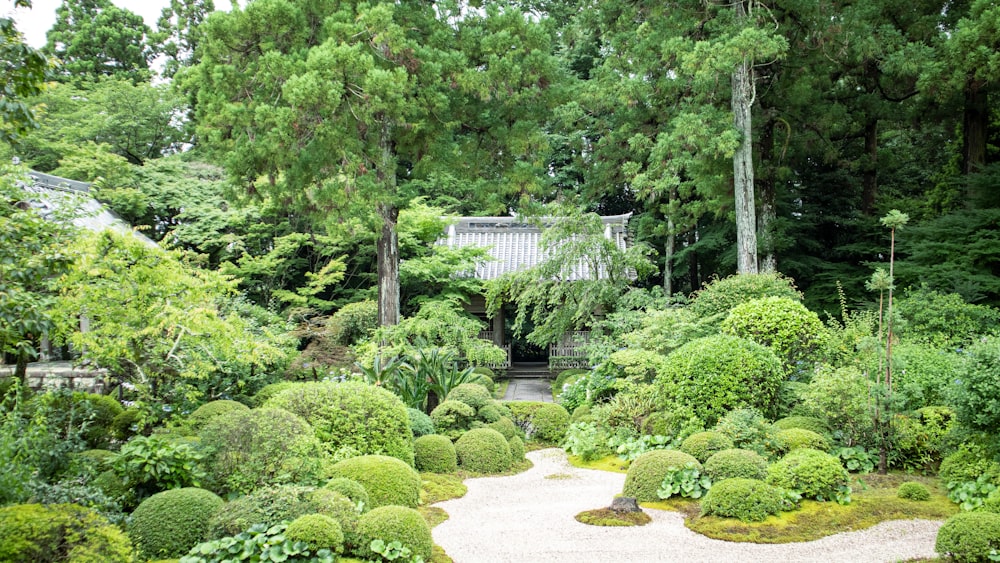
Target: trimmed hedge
x,y
749,500
516,449
60,532
784,325
420,423
702,445
452,418
969,536
251,449
349,488
170,523
205,413
317,530
435,453
394,523
506,427
811,473
911,490
795,438
646,473
733,463
387,479
549,423
817,425
273,505
483,450
352,414
472,394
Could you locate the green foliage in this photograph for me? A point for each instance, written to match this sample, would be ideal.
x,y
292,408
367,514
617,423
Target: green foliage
x,y
280,503
967,463
393,551
505,426
663,331
716,374
588,389
921,437
483,380
647,472
942,320
841,397
748,429
972,495
970,537
97,38
387,479
351,414
452,418
516,449
640,366
476,396
911,490
747,499
60,532
420,423
585,439
629,447
720,296
205,413
727,464
813,423
976,395
856,459
549,423
250,449
795,438
567,376
441,332
922,374
170,523
687,481
435,453
483,450
24,74
392,524
149,465
813,474
318,531
351,489
795,333
703,445
353,322
260,543
270,390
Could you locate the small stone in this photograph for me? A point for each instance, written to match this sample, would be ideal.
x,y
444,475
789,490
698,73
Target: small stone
x,y
625,504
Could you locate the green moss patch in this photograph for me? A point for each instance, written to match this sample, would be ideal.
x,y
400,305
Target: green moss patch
x,y
559,476
433,515
687,506
437,487
608,517
515,468
611,463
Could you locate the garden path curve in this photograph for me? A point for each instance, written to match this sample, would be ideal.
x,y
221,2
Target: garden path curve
x,y
529,518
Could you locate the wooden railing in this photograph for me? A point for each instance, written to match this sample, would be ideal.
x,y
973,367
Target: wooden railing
x,y
571,344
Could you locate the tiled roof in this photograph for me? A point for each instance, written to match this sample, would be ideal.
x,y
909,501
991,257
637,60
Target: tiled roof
x,y
515,245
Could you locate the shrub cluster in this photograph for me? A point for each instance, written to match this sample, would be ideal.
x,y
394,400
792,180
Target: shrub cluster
x,y
387,479
170,523
435,453
732,463
60,532
702,445
811,473
646,473
721,295
391,524
472,394
273,505
749,500
483,450
452,418
795,438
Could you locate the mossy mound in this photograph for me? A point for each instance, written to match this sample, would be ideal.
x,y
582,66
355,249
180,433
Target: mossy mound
x,y
911,490
435,453
811,473
387,479
734,462
170,523
483,450
749,500
549,423
608,517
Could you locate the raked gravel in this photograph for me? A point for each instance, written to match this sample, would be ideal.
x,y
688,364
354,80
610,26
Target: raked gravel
x,y
529,518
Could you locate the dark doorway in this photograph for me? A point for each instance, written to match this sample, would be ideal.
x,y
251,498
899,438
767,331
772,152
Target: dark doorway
x,y
520,349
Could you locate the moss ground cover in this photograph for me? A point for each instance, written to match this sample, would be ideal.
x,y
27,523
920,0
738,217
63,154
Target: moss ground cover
x,y
610,463
608,517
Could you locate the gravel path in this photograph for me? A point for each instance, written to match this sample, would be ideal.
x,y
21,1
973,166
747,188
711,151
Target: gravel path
x,y
529,518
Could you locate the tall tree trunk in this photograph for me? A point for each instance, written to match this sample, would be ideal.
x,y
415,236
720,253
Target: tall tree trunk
x,y
869,175
975,120
693,261
746,216
668,259
765,187
387,247
21,369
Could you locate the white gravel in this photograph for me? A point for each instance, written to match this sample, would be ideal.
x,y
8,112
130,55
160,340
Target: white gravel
x,y
529,518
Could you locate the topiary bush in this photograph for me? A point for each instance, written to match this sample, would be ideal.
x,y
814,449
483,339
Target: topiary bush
x,y
749,500
452,418
318,531
794,333
811,473
387,479
352,414
646,473
516,449
716,374
795,438
280,503
203,414
170,523
719,296
349,488
420,423
251,449
702,445
483,450
60,532
483,379
474,395
911,490
489,413
391,524
549,423
435,453
731,463
506,427
817,425
969,537
272,389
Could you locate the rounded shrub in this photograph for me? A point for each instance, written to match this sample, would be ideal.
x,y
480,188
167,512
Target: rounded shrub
x,y
353,322
749,500
394,523
317,530
483,370
352,414
506,427
60,532
435,453
93,414
483,450
387,479
732,463
349,488
911,490
549,423
967,463
969,536
203,414
716,374
795,438
452,418
784,325
646,473
702,445
170,523
280,503
817,425
516,449
489,413
721,295
811,473
126,424
484,380
420,423
250,449
476,396
272,389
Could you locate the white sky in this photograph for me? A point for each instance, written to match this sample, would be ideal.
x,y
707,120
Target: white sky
x,y
34,23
